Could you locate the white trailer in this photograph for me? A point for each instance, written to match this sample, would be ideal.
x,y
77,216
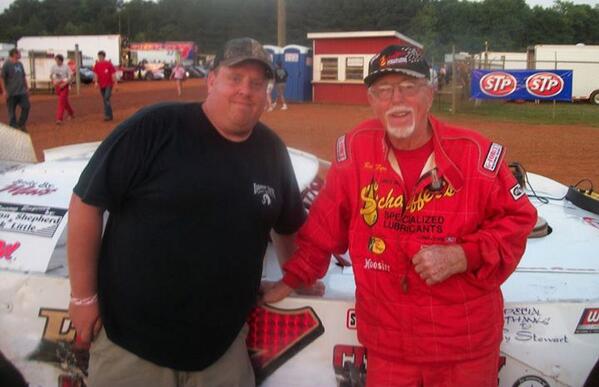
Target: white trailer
x,y
582,59
89,45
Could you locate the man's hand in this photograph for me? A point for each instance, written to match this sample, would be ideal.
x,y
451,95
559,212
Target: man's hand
x,y
435,264
273,291
316,289
86,320
276,291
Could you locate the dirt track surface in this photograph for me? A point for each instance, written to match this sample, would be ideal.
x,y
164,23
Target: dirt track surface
x,y
565,153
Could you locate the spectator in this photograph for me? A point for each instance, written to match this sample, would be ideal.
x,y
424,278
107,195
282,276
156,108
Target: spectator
x,y
105,79
14,87
280,83
193,191
61,77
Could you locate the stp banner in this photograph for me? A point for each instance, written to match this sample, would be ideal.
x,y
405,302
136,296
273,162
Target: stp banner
x,y
522,84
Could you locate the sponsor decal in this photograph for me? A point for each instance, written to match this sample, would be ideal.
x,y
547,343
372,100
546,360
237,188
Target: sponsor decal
x,y
372,202
29,187
341,149
591,221
376,245
371,264
351,322
57,346
517,191
415,223
34,220
6,249
349,362
267,193
58,325
498,84
589,321
276,335
418,202
544,85
493,156
531,381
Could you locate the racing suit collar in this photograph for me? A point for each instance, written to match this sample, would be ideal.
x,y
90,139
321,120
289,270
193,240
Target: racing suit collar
x,y
446,168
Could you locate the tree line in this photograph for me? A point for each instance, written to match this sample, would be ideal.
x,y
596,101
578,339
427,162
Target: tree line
x,y
507,25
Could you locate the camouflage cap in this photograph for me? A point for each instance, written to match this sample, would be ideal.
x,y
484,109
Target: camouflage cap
x,y
240,50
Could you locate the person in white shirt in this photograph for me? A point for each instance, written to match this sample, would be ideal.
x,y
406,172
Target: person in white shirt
x,y
61,76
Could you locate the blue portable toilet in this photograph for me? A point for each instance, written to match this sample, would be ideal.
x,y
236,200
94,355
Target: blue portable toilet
x,y
297,60
275,53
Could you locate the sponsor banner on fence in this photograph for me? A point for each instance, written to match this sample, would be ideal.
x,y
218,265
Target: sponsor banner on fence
x,y
522,84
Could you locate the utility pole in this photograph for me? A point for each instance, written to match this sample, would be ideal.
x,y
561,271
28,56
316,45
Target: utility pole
x,y
281,23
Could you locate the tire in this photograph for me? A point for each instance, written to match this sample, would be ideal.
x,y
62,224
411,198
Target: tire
x,y
594,99
148,76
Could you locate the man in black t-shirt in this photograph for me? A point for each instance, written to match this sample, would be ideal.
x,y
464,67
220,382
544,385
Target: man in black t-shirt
x,y
13,86
192,191
280,85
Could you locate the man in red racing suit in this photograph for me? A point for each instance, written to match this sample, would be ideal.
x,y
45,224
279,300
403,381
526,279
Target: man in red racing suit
x,y
430,241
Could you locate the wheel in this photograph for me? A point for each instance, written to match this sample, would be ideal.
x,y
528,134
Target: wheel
x,y
594,99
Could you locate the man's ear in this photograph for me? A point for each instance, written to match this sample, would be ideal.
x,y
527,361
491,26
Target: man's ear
x,y
430,95
211,79
370,98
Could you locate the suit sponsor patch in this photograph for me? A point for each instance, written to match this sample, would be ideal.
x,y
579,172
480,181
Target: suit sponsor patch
x,y
517,191
341,149
493,156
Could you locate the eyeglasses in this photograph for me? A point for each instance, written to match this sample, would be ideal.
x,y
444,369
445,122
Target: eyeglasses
x,y
384,92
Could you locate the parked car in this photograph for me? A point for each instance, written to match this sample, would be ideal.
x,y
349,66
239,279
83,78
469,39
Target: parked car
x,y
196,72
86,75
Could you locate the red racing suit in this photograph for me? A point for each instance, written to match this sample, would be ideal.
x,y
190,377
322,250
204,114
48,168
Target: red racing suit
x,y
465,195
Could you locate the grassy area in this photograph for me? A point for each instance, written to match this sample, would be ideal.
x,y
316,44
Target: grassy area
x,y
563,113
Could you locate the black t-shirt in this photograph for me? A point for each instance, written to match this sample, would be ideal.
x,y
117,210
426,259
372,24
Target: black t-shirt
x,y
280,75
190,214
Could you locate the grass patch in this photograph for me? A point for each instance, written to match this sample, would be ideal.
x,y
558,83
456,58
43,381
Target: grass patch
x,y
563,113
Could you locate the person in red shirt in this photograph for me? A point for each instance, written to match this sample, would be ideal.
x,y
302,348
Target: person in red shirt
x,y
434,223
105,79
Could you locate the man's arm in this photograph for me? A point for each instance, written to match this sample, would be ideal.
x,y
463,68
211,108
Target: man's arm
x,y
84,239
285,247
324,233
490,254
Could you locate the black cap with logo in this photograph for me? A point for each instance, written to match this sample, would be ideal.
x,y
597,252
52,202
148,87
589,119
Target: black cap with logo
x,y
406,60
240,50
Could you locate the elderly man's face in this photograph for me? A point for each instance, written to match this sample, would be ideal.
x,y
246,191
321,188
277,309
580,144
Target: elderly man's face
x,y
401,103
236,97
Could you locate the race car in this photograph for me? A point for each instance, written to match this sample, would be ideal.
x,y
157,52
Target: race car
x,y
551,315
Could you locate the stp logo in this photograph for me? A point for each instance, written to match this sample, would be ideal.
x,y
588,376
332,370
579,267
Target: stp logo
x,y
544,84
498,84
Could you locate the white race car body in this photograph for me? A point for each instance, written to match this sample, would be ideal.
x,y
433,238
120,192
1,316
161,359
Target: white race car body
x,y
551,311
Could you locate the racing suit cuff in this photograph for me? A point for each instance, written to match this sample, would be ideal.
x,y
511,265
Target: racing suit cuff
x,y
292,280
473,256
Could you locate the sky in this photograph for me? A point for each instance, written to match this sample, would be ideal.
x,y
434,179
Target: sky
x,y
545,3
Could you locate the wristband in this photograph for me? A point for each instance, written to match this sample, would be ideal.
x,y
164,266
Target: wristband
x,y
84,301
